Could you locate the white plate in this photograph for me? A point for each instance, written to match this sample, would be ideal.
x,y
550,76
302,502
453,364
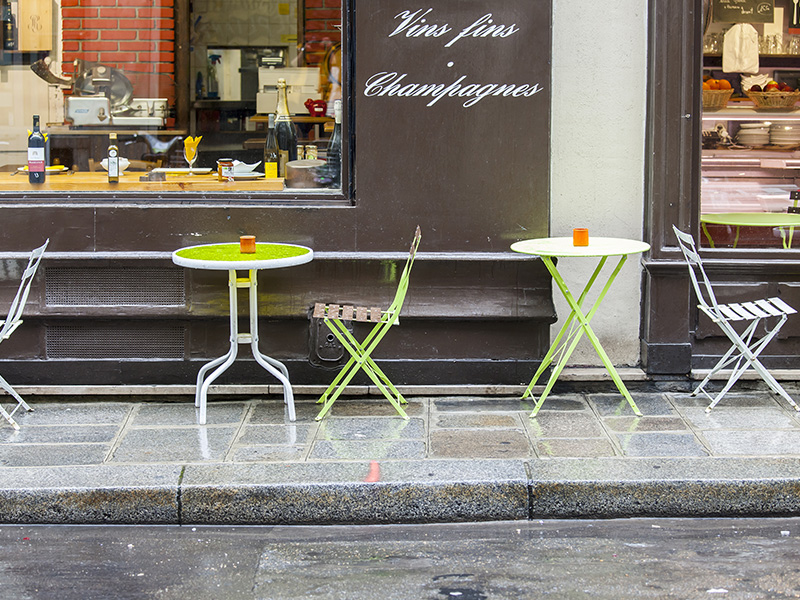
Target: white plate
x,y
252,175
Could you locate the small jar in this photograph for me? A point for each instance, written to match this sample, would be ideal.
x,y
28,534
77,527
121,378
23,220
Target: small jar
x,y
225,169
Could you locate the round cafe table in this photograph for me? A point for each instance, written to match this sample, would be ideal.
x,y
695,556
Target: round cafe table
x,y
228,257
599,247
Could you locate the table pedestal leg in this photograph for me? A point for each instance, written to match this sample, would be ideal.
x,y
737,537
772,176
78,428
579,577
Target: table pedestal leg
x,y
275,367
574,337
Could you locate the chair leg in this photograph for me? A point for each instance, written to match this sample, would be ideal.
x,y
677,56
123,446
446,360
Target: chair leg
x,y
9,415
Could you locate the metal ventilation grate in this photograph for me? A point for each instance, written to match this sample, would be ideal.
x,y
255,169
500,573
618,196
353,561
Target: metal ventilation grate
x,y
115,340
114,286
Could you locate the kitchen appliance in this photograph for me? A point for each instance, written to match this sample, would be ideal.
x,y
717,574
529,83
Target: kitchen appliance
x,y
301,84
103,96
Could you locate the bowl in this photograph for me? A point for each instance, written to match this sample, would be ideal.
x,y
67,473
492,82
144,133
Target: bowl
x,y
123,163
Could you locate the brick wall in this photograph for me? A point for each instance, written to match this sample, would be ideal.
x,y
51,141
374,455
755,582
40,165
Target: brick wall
x,y
136,36
321,20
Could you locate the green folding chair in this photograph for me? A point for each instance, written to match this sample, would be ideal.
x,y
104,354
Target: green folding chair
x,y
335,317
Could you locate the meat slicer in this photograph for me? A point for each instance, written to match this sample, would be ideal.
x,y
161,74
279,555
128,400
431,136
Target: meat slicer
x,y
103,96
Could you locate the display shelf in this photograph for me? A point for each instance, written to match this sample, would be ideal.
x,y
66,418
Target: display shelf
x,y
748,113
765,61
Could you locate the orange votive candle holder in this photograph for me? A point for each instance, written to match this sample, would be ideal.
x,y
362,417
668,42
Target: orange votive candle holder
x,y
580,236
247,244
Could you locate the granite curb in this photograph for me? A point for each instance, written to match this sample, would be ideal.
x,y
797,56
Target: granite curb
x,y
426,491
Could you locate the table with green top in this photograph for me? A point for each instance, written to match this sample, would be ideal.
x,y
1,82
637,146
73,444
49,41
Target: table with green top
x,y
752,219
577,322
228,257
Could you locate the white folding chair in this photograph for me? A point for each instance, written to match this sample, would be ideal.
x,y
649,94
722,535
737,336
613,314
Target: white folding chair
x,y
13,321
745,348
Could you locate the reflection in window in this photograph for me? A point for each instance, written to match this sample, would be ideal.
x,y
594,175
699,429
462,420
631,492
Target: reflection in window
x,y
93,69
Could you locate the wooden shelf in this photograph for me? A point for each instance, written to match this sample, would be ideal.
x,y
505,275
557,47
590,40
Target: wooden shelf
x,y
769,61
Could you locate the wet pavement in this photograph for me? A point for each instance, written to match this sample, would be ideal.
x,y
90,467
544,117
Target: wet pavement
x,y
737,559
457,458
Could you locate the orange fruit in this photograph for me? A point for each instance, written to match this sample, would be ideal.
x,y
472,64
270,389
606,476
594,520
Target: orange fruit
x,y
706,86
713,84
724,84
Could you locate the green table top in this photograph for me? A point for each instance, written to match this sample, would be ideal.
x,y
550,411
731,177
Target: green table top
x,y
227,257
753,219
563,246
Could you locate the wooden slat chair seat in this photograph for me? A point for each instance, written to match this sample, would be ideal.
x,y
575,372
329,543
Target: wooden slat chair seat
x,y
336,315
14,320
745,347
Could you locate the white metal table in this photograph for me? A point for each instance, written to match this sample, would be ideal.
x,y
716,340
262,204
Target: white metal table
x,y
599,247
228,257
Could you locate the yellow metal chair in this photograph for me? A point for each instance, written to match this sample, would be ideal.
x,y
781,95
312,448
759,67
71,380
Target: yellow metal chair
x,y
335,316
13,321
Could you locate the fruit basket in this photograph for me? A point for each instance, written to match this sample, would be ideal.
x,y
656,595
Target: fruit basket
x,y
774,100
716,99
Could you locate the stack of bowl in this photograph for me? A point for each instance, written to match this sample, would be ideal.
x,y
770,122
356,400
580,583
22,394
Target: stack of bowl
x,y
753,134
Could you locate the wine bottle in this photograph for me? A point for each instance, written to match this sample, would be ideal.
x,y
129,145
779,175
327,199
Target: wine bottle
x,y
285,131
36,166
334,153
271,152
113,159
9,27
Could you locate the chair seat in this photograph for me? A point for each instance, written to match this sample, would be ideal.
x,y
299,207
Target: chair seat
x,y
759,309
361,314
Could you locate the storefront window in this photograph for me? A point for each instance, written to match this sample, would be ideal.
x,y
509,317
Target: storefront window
x,y
186,88
751,126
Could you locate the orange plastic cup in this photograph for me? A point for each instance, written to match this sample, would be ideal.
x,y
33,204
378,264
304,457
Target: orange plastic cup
x,y
580,236
247,244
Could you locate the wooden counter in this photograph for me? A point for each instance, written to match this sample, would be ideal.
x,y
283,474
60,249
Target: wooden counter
x,y
129,182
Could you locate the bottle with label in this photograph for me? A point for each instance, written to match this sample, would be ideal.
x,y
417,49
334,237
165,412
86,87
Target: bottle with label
x,y
113,159
285,131
36,160
9,26
334,153
271,152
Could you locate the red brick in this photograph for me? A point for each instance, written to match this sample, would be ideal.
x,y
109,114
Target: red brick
x,y
78,13
100,46
164,68
71,46
157,34
71,24
140,67
117,34
66,3
316,26
333,3
138,46
156,13
165,24
98,3
118,13
99,24
68,57
314,3
157,57
79,35
122,58
163,3
323,14
137,24
138,2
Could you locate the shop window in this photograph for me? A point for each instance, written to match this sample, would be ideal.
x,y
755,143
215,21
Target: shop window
x,y
183,89
751,126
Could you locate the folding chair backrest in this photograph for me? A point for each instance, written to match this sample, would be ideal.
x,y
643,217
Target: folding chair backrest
x,y
402,286
18,304
706,299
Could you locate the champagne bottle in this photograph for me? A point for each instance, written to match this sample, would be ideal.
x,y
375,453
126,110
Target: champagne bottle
x,y
334,153
36,166
113,159
271,152
9,27
285,131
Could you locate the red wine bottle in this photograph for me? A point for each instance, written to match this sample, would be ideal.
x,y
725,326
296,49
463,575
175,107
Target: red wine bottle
x,y
36,166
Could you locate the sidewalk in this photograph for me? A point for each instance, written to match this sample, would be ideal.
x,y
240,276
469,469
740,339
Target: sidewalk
x,y
458,458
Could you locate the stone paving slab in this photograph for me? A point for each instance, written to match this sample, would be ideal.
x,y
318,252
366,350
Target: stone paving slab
x,y
457,458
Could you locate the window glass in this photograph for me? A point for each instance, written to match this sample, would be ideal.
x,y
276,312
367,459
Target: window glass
x,y
751,128
186,88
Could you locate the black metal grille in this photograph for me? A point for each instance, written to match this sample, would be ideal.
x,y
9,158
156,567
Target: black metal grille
x,y
115,340
114,286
